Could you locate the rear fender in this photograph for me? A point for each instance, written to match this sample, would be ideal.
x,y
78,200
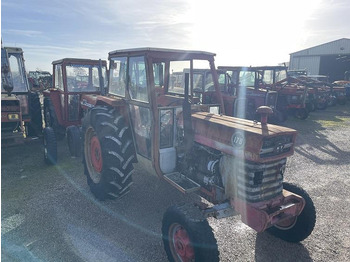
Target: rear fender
x,y
89,101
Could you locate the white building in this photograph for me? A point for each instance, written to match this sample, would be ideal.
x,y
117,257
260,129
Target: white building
x,y
331,59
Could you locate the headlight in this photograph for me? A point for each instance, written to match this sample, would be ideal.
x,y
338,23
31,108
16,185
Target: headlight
x,y
13,116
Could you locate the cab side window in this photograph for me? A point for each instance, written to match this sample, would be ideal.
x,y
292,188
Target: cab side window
x,y
58,77
138,79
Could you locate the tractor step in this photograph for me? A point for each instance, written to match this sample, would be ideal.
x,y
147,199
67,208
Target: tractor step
x,y
181,182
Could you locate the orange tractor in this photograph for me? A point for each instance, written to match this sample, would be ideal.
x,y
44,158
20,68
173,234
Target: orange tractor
x,y
148,117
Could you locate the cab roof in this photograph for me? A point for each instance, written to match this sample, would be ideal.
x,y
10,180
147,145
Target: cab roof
x,y
163,52
78,60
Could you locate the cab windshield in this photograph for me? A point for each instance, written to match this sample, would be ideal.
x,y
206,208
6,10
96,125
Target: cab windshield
x,y
84,78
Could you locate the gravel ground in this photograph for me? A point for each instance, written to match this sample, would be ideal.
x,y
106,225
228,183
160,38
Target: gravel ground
x,y
49,214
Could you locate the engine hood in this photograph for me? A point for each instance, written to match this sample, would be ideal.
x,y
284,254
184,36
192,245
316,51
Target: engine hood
x,y
243,138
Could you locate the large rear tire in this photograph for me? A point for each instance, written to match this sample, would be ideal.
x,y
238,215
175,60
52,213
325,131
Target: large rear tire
x,y
51,120
187,239
35,126
108,153
300,227
50,146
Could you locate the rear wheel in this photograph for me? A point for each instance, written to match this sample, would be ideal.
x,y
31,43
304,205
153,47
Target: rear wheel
x,y
108,153
50,146
74,141
187,239
297,228
51,120
35,126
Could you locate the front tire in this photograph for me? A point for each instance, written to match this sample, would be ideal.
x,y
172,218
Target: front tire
x,y
74,141
108,153
302,113
186,239
50,146
301,226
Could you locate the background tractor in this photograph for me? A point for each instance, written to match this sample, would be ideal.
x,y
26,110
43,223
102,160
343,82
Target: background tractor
x,y
237,165
292,94
39,80
244,82
20,109
72,77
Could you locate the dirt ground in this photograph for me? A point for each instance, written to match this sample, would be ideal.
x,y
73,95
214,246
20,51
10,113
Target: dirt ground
x,y
49,214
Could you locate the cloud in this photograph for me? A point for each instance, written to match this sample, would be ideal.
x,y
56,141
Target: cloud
x,y
28,33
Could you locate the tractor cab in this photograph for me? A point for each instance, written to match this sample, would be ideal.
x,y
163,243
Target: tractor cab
x,y
19,79
292,94
20,108
72,77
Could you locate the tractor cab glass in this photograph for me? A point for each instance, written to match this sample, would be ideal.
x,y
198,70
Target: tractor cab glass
x,y
84,78
137,79
280,75
268,77
20,82
247,78
117,76
6,76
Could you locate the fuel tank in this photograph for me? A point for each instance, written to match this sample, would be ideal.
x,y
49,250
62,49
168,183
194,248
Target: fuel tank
x,y
246,139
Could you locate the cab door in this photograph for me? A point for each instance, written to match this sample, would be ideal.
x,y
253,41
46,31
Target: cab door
x,y
139,105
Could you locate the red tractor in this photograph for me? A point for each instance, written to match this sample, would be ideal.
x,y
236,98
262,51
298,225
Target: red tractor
x,y
236,164
20,109
291,93
72,77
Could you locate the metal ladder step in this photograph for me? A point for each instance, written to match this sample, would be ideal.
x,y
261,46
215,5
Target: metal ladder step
x,y
181,182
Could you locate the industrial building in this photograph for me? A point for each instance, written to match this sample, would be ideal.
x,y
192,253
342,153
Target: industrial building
x,y
331,59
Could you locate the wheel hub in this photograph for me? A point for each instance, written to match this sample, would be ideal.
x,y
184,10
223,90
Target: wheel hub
x,y
96,154
182,244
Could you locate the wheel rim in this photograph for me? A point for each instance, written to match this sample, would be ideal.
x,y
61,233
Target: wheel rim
x,y
93,155
180,244
287,224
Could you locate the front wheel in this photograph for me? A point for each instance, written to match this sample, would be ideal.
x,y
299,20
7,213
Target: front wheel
x,y
50,146
74,141
186,239
298,228
302,113
108,153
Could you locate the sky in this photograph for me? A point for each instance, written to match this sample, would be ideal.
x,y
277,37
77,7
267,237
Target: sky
x,y
241,33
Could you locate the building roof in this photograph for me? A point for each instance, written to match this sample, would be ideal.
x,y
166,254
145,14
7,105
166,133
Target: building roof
x,y
340,46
